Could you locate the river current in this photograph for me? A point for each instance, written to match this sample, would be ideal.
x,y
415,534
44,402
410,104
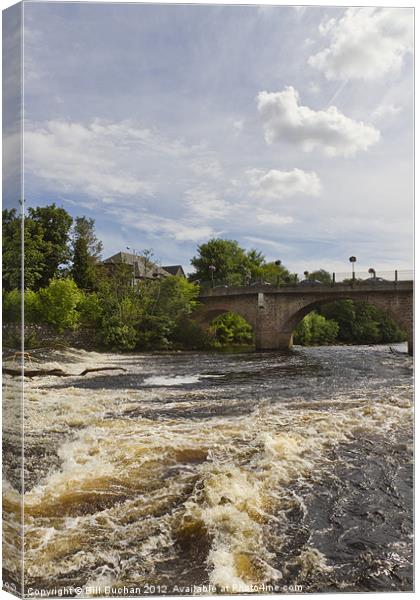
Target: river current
x,y
198,472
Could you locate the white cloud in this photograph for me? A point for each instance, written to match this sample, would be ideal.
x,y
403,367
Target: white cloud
x,y
111,159
385,110
269,218
73,157
206,203
366,43
187,230
285,120
275,185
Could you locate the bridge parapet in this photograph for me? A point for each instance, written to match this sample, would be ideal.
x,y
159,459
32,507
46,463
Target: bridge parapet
x,y
363,286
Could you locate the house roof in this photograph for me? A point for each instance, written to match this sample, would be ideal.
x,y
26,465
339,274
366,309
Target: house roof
x,y
174,270
142,267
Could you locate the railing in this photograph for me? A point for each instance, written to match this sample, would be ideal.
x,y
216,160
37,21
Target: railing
x,y
334,278
364,275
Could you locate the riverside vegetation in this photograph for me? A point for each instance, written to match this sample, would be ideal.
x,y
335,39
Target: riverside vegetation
x,y
67,288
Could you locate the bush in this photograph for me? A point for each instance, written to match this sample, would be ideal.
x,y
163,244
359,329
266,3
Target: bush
x,y
188,334
230,329
90,310
314,329
58,304
118,336
12,306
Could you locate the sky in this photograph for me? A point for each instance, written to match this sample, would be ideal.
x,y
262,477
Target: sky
x,y
289,129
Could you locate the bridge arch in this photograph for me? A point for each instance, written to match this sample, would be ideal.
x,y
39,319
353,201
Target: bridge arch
x,y
290,324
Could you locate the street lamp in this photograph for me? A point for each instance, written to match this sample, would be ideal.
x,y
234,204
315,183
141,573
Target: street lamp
x,y
372,272
352,259
212,269
278,264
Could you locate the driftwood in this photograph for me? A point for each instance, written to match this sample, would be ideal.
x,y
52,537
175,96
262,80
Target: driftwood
x,y
57,372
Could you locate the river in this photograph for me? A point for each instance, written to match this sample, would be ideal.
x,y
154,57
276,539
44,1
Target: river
x,y
228,472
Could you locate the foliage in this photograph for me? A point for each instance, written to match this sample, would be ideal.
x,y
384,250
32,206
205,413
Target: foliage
x,y
14,226
12,306
90,310
314,329
229,329
321,275
45,233
54,228
86,253
362,323
233,265
58,304
188,334
166,303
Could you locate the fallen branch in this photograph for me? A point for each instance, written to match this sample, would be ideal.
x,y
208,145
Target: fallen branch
x,y
57,372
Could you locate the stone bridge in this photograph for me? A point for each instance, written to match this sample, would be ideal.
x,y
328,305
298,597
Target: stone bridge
x,y
274,312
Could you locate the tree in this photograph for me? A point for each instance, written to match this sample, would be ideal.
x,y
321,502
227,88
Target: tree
x,y
362,323
54,227
321,275
86,253
229,259
234,266
34,264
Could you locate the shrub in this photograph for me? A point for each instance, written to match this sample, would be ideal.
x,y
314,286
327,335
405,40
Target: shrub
x,y
58,304
315,329
12,306
188,334
90,310
229,329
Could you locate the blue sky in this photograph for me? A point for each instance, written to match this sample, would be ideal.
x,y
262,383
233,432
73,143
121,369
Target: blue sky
x,y
289,129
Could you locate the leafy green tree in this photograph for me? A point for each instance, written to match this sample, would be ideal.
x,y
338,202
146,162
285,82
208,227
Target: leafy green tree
x,y
58,303
165,304
314,329
54,224
13,227
274,273
86,253
230,329
362,323
233,265
321,275
229,259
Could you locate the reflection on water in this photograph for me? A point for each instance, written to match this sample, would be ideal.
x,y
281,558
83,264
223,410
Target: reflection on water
x,y
222,470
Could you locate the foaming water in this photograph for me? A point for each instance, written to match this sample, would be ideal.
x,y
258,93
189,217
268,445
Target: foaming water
x,y
228,471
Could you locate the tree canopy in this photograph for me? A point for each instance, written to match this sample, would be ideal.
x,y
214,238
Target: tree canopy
x,y
232,265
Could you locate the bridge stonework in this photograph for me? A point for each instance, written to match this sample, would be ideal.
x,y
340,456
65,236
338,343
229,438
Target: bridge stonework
x,y
274,312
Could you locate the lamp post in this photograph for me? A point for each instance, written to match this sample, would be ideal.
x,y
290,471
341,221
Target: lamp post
x,y
212,269
352,259
372,272
278,264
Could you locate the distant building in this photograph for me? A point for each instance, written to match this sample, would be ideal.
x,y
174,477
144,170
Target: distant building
x,y
176,270
143,268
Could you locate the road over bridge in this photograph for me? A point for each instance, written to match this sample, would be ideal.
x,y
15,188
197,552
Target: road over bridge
x,y
274,312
